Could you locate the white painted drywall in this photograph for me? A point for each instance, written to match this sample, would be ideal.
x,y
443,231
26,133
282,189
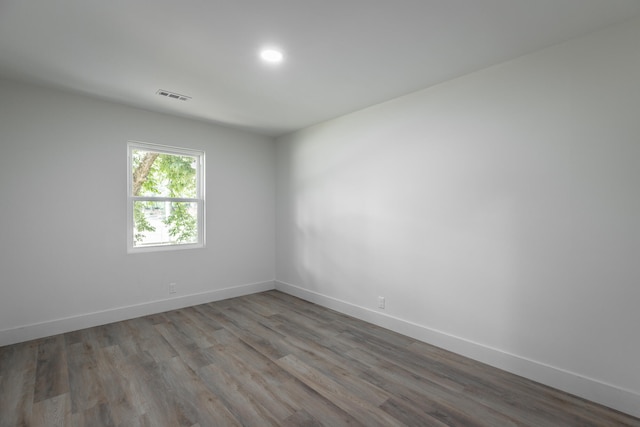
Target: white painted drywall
x,y
63,251
501,209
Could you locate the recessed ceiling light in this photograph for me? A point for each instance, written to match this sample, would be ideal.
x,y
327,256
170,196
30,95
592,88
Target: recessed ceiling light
x,y
173,95
271,55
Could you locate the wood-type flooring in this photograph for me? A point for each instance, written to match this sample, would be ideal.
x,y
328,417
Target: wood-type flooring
x,y
267,359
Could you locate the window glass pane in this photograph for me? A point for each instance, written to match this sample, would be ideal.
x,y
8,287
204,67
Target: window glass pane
x,y
164,223
163,175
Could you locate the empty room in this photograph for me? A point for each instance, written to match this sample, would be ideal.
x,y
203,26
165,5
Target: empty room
x,y
319,213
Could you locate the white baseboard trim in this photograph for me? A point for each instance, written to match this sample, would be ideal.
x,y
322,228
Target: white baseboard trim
x,y
88,320
609,395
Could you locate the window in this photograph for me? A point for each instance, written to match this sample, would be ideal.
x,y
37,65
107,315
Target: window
x,y
165,197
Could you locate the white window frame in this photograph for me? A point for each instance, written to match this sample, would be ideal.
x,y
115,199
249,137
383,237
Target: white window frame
x,y
199,199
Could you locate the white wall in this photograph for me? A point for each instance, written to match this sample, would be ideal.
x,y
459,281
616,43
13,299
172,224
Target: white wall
x,y
63,253
499,214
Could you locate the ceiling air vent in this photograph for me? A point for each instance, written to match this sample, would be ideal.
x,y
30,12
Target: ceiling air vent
x,y
173,95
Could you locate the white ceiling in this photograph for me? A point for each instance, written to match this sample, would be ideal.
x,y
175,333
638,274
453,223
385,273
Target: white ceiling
x,y
341,55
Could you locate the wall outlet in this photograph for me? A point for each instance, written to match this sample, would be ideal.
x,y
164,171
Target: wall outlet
x,y
172,288
381,302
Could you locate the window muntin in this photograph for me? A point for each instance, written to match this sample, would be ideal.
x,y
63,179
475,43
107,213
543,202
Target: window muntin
x,y
165,197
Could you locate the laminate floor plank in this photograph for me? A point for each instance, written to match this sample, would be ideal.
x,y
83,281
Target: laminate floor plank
x,y
192,395
187,350
268,359
248,364
418,415
98,415
17,386
261,305
301,419
367,413
339,369
52,378
262,379
509,392
105,335
146,339
52,412
244,407
125,395
162,404
197,332
85,386
202,321
323,318
121,403
318,407
433,396
262,339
